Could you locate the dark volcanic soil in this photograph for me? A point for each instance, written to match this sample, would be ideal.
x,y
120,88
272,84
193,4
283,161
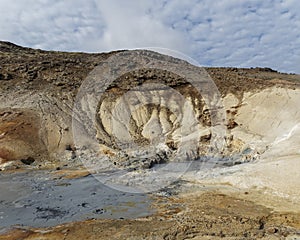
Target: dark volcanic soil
x,y
61,71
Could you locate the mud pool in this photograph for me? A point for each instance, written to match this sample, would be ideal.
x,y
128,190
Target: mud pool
x,y
37,199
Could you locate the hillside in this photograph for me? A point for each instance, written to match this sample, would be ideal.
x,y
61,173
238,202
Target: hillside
x,y
249,124
38,89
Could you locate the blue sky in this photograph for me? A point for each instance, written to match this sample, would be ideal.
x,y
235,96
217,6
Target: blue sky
x,y
246,33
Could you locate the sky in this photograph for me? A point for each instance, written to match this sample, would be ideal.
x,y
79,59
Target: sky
x,y
238,33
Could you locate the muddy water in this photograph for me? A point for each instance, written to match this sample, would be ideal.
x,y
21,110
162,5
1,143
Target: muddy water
x,y
37,199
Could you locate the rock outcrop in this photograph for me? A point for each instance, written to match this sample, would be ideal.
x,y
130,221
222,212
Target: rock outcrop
x,y
38,89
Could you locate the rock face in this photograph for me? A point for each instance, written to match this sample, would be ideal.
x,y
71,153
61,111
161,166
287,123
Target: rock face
x,y
20,135
150,115
36,103
38,90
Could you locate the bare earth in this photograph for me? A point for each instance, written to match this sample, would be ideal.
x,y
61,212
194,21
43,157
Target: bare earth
x,y
256,197
205,215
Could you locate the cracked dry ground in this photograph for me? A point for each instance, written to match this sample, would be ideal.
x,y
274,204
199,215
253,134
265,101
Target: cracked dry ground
x,y
210,215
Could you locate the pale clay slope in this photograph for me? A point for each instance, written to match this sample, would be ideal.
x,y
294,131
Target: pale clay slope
x,y
269,121
174,121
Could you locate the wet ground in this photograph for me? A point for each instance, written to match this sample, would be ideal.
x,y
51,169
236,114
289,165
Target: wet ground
x,y
38,199
207,214
44,198
83,208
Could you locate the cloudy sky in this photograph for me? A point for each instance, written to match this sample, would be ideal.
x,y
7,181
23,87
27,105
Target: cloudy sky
x,y
238,33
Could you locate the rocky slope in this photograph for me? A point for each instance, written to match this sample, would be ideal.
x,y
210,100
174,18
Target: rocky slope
x,y
37,94
38,89
259,125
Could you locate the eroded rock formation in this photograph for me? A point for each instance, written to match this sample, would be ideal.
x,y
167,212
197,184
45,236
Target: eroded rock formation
x,y
38,89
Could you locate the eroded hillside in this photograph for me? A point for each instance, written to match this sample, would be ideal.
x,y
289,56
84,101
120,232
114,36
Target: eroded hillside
x,y
38,89
257,124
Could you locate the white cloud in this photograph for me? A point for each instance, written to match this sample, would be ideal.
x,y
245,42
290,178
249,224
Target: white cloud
x,y
60,25
129,26
219,33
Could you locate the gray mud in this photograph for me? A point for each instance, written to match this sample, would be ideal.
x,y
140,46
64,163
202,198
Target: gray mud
x,y
37,199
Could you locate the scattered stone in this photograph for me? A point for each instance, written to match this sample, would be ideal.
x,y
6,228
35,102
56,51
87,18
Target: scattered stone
x,y
68,147
5,76
272,230
28,161
99,211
